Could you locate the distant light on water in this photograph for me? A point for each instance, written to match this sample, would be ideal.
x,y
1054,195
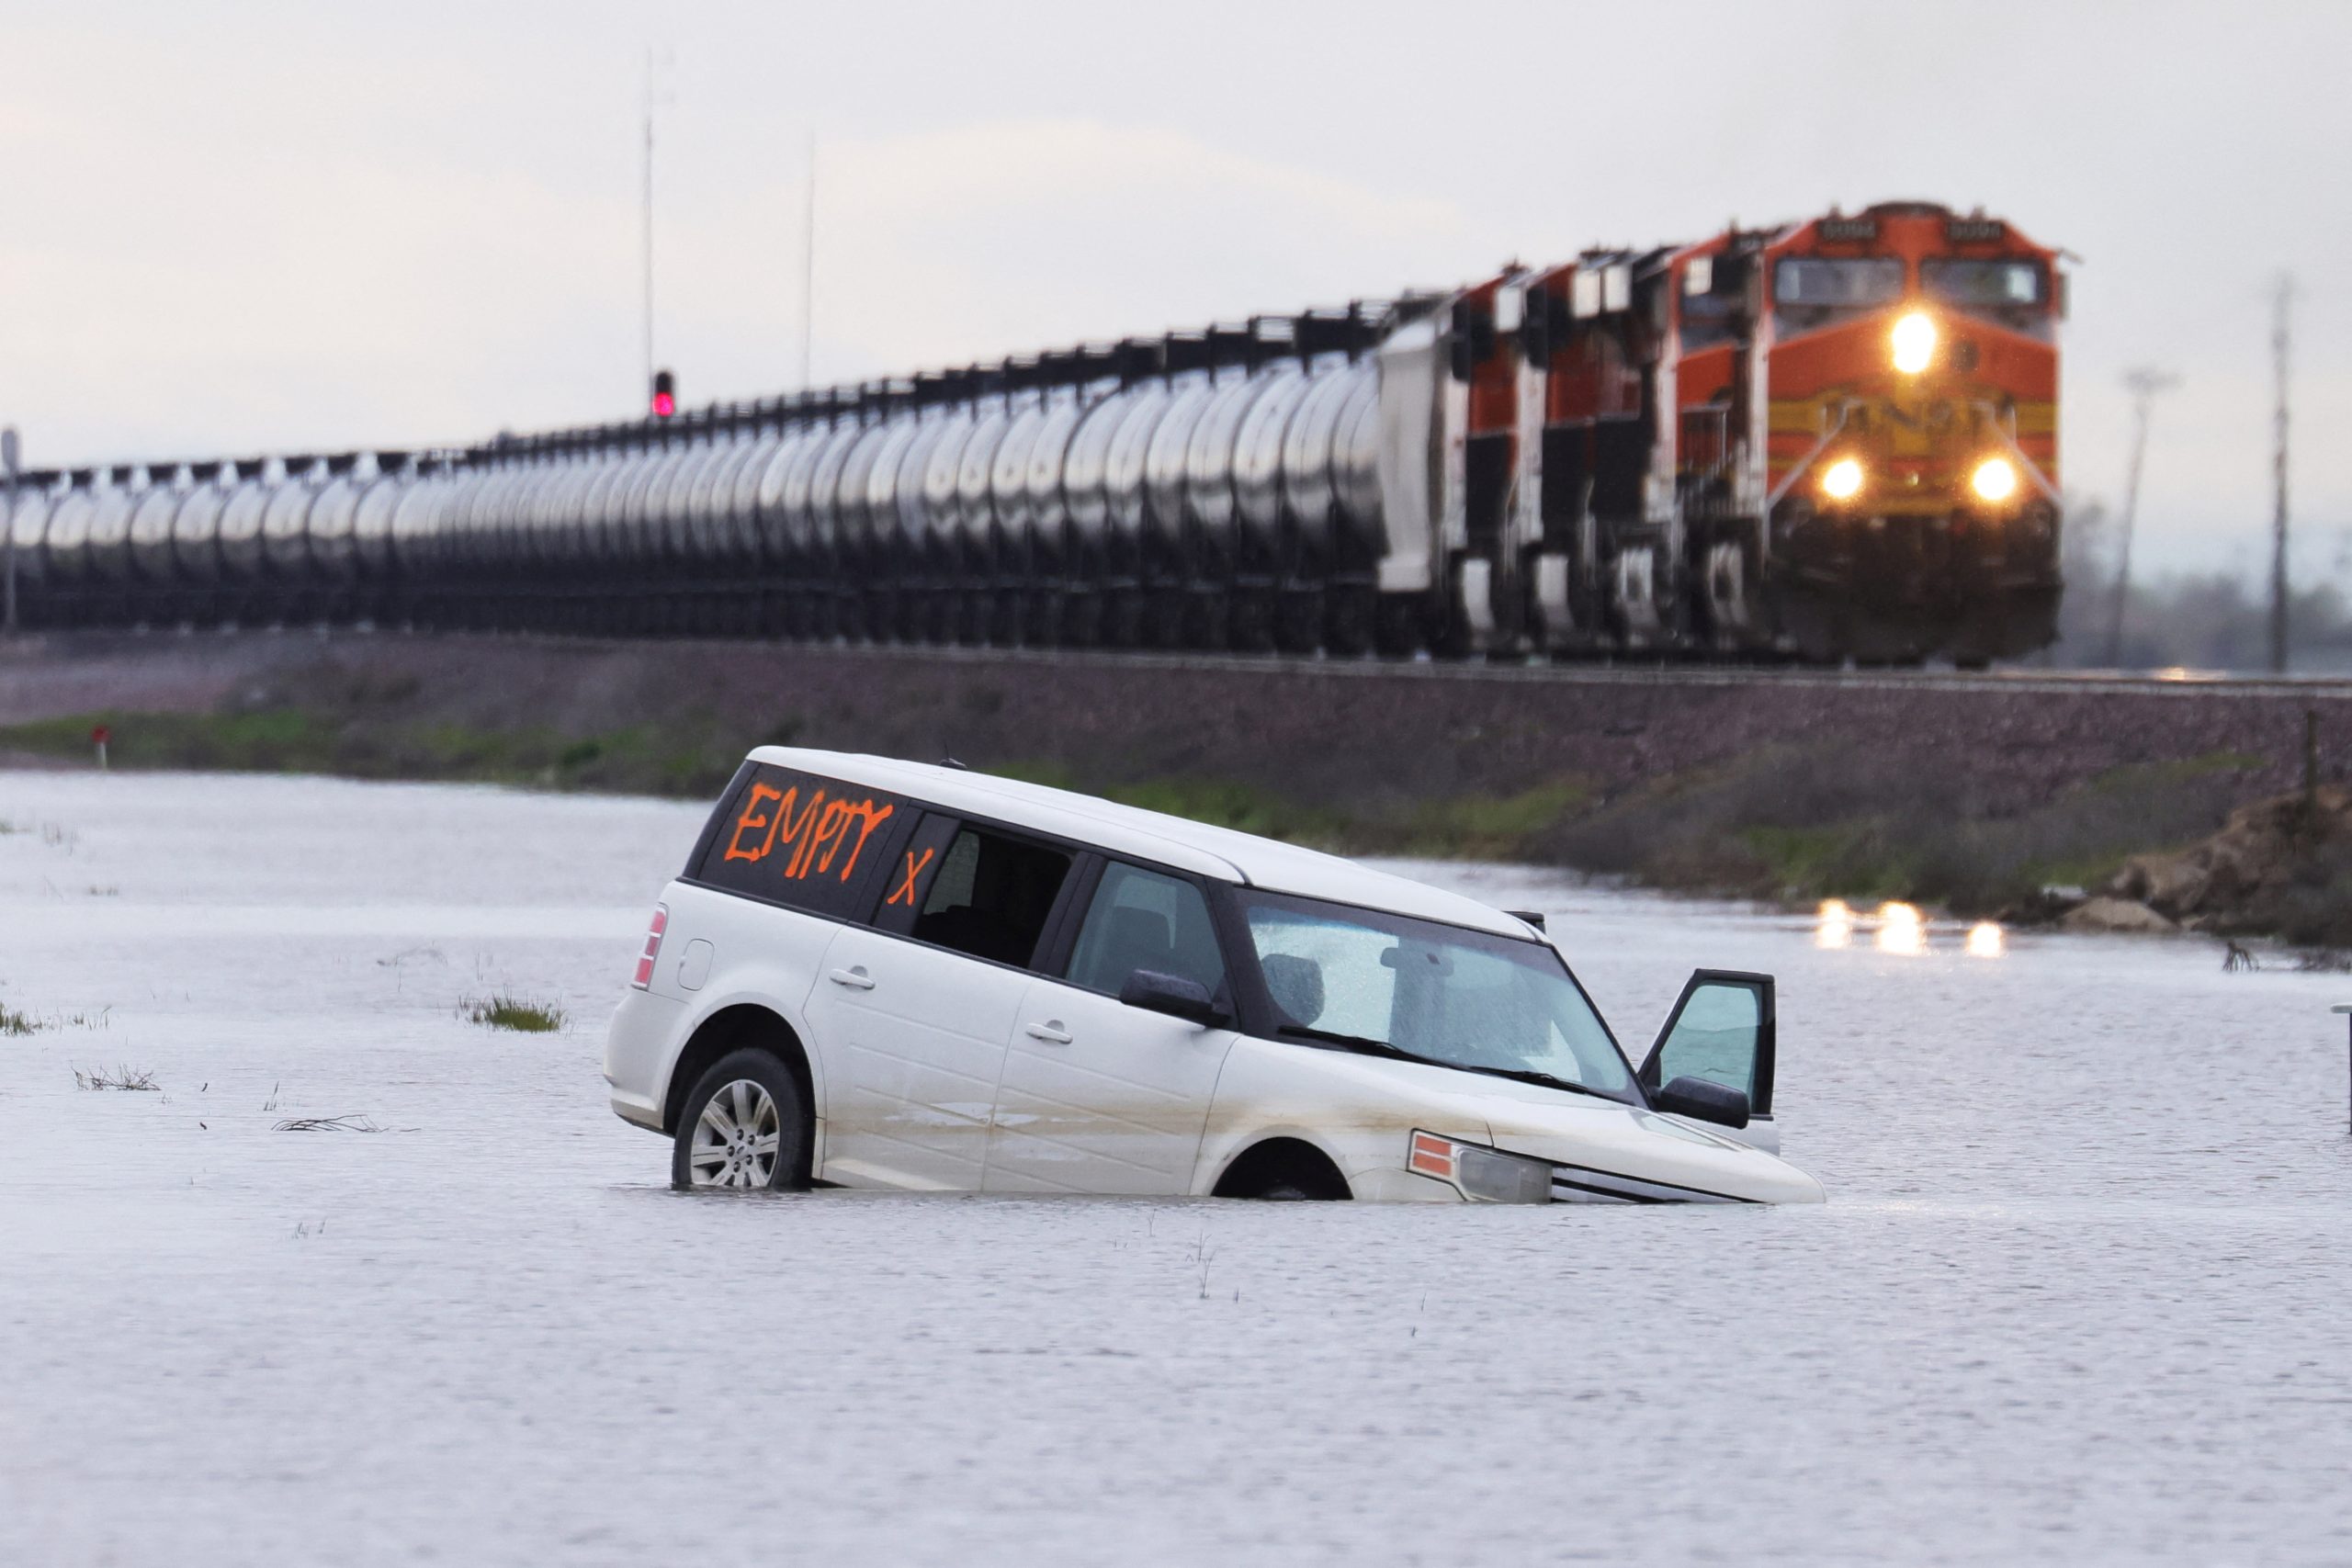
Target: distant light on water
x,y
1900,929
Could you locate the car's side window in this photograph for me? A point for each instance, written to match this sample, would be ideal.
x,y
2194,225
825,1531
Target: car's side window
x,y
985,893
1716,1034
810,842
1143,919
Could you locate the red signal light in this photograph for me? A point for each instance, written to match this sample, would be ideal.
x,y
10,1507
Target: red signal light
x,y
665,394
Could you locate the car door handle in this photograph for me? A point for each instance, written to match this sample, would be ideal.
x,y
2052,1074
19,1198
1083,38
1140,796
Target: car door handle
x,y
1051,1033
855,979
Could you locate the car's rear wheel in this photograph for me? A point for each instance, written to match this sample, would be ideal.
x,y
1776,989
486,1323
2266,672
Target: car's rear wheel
x,y
743,1126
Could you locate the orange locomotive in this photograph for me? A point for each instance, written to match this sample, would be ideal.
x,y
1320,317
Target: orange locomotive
x,y
1835,439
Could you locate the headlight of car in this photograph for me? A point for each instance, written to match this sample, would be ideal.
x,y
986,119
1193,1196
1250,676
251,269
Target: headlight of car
x,y
1482,1175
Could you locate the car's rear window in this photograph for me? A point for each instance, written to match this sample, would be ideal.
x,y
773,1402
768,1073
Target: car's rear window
x,y
797,839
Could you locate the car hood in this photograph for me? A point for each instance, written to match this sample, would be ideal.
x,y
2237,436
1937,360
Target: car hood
x,y
1601,1150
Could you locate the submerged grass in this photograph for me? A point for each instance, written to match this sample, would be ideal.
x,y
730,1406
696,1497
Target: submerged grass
x,y
512,1013
330,1124
132,1079
15,1021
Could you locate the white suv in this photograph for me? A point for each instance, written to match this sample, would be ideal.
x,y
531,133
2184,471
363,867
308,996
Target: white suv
x,y
880,974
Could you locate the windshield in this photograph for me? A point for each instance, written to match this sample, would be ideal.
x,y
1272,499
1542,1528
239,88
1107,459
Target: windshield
x,y
1818,282
1439,993
1999,283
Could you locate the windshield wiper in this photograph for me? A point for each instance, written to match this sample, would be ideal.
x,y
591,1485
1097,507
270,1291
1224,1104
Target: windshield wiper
x,y
1529,1075
1358,1043
1370,1047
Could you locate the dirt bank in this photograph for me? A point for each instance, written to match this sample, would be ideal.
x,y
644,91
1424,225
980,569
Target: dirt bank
x,y
1962,795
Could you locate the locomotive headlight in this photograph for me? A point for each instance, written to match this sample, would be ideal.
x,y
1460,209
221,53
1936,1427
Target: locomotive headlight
x,y
1995,479
1842,480
1914,342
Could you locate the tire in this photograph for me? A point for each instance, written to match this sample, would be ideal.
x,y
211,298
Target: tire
x,y
743,1087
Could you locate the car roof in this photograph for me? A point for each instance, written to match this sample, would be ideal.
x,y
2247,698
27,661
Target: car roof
x,y
1224,853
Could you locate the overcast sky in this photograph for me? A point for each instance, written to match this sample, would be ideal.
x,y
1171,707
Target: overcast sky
x,y
258,227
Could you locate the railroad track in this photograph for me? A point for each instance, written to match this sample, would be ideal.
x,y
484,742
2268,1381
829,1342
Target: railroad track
x,y
1641,673
1589,672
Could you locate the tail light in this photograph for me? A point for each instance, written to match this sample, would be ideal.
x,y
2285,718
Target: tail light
x,y
653,954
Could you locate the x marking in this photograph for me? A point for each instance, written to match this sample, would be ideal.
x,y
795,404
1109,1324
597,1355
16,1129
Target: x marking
x,y
907,885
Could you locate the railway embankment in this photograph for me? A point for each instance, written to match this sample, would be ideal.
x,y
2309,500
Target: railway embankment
x,y
1974,795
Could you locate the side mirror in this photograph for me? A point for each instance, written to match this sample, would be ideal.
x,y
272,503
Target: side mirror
x,y
1703,1102
1173,995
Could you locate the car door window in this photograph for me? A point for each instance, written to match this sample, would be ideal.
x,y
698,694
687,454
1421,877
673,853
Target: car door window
x,y
1716,1034
989,896
1143,919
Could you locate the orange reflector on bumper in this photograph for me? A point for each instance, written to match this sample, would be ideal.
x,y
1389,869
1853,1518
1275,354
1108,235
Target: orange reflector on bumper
x,y
1431,1155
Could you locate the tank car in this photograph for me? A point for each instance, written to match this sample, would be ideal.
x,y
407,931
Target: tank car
x,y
1826,440
28,556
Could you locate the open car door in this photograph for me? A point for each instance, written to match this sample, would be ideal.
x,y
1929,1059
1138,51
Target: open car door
x,y
1720,1032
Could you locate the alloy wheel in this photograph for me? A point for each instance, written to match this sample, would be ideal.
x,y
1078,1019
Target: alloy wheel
x,y
737,1138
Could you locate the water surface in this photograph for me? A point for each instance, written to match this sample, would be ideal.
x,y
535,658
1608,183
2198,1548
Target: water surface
x,y
2080,1293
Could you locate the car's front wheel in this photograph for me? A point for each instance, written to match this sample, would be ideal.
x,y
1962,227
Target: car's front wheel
x,y
743,1126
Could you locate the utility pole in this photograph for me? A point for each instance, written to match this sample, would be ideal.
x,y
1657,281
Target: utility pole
x,y
8,528
2282,301
2143,385
809,268
648,218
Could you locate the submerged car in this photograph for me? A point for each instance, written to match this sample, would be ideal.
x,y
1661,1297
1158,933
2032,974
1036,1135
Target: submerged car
x,y
881,974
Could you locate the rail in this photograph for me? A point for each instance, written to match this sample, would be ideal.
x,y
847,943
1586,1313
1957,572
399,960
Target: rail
x,y
1620,671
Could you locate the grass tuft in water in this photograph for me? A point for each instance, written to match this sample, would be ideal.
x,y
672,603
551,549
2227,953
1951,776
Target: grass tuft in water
x,y
512,1013
15,1021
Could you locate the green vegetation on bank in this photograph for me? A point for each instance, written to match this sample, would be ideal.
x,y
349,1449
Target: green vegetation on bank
x,y
1469,826
1832,822
692,757
1795,822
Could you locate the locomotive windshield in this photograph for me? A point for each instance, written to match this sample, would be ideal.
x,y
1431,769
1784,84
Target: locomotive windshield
x,y
1821,283
1981,283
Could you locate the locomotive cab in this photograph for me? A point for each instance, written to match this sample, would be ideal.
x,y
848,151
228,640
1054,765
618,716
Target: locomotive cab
x,y
1908,435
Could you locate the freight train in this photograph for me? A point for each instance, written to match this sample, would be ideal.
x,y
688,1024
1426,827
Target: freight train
x,y
1821,441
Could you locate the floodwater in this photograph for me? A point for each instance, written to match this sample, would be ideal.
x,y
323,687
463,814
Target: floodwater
x,y
2082,1291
